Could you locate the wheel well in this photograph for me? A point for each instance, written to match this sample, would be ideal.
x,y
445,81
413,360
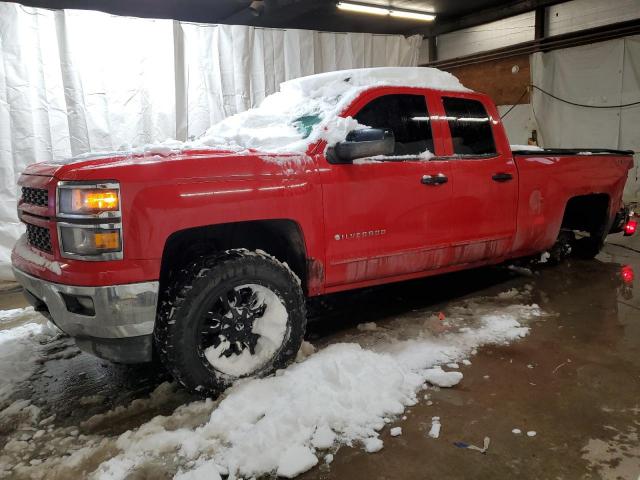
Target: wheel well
x,y
280,238
587,213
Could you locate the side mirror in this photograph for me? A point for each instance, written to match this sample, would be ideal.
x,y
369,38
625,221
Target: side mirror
x,y
368,142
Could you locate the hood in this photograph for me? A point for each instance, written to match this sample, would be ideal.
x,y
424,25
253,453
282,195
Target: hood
x,y
167,165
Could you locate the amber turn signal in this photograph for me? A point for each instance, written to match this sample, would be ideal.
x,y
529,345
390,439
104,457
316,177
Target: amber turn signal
x,y
107,241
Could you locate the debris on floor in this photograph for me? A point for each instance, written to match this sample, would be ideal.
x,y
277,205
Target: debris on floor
x,y
482,449
435,427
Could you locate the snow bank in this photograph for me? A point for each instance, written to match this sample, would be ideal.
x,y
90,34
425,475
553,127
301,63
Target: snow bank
x,y
339,395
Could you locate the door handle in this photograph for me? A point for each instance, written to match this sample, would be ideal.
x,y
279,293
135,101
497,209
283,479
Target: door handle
x,y
502,177
438,179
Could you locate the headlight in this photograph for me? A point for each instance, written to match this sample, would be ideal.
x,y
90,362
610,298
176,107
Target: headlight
x,y
81,235
88,200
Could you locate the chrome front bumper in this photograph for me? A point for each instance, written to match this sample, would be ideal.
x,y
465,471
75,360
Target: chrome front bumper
x,y
122,315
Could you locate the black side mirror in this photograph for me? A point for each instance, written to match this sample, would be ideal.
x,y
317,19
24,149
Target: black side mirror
x,y
368,142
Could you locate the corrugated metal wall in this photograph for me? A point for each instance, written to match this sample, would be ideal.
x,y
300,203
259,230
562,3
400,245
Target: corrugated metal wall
x,y
582,14
489,36
562,18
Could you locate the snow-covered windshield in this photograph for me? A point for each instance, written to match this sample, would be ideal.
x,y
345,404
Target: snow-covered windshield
x,y
308,109
305,124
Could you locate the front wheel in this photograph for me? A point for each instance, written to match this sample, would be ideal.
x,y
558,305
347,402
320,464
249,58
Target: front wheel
x,y
228,316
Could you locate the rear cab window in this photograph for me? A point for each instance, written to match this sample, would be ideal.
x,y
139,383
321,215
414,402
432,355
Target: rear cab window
x,y
470,127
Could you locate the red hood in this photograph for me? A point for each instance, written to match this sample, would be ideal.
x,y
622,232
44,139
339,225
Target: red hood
x,y
192,163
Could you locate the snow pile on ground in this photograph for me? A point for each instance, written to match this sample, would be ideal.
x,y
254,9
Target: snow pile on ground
x,y
20,346
343,394
339,395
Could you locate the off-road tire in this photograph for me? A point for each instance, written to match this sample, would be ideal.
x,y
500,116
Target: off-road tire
x,y
176,332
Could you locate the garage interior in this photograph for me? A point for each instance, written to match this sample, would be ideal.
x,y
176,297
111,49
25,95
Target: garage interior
x,y
562,402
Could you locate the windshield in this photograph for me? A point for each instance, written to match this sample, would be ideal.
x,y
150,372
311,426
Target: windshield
x,y
305,124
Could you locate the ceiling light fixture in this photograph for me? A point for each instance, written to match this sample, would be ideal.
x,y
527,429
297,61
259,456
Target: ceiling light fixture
x,y
427,17
408,14
356,7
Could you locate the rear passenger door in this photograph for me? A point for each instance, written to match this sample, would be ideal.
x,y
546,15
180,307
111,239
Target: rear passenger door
x,y
484,180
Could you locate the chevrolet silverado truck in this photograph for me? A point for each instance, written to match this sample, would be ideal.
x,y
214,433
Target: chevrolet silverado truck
x,y
204,253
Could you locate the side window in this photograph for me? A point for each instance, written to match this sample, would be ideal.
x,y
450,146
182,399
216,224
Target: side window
x,y
470,126
406,116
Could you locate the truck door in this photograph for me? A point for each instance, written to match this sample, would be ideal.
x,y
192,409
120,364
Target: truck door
x,y
381,218
483,178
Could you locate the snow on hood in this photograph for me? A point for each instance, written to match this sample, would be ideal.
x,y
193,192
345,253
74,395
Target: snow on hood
x,y
307,109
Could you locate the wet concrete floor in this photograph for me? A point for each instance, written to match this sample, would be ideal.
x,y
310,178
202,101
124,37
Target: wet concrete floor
x,y
575,380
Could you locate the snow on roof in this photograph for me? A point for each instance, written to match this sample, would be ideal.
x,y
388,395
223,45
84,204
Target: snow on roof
x,y
308,108
419,77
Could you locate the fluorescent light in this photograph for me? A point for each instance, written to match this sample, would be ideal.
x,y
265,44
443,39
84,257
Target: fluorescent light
x,y
355,7
472,119
412,15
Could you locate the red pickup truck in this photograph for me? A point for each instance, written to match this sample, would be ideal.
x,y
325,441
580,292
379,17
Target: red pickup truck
x,y
204,253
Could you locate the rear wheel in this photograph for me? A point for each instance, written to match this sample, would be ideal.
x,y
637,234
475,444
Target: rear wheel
x,y
562,248
228,316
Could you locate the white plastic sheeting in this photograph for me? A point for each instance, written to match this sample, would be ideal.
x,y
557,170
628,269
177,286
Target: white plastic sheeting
x,y
77,81
519,123
606,73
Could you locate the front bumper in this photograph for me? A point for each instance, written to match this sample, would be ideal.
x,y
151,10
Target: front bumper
x,y
119,327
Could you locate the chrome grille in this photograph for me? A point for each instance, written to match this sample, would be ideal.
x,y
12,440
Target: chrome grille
x,y
35,196
39,237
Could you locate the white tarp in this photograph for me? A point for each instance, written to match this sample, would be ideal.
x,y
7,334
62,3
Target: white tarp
x,y
75,81
606,73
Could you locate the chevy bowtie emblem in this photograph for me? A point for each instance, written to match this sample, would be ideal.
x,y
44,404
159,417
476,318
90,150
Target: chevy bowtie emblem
x,y
359,235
